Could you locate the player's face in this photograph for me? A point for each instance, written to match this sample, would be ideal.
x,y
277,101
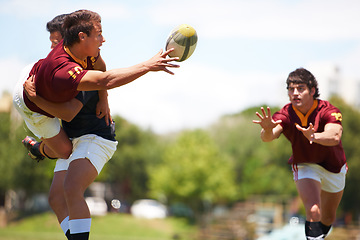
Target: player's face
x,y
95,40
55,38
301,97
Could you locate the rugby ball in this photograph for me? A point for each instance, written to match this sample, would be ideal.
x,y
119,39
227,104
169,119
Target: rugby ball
x,y
183,39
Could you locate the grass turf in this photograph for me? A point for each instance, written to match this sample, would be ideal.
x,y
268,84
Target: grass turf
x,y
110,227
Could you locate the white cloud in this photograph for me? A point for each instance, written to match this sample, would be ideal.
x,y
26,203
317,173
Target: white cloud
x,y
198,94
349,63
10,71
24,9
48,9
300,20
194,97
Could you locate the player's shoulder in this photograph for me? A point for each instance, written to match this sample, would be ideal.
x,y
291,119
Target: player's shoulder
x,y
284,113
286,109
329,111
325,105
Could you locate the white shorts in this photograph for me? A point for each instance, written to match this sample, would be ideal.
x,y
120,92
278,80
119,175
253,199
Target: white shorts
x,y
330,182
97,149
40,125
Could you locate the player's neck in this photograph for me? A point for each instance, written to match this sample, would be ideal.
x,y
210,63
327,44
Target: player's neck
x,y
304,109
76,51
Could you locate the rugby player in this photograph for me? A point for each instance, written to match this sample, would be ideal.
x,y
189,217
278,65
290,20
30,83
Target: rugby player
x,y
313,127
60,145
59,78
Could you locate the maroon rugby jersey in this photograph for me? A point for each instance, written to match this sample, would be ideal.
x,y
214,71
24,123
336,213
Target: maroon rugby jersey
x,y
332,158
57,76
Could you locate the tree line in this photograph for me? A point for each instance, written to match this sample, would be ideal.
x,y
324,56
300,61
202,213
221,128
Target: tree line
x,y
221,164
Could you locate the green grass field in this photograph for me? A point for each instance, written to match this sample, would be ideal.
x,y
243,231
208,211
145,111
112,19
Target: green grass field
x,y
110,227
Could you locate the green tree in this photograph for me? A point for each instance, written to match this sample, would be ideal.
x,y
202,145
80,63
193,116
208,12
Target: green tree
x,y
261,168
127,170
351,143
18,171
193,171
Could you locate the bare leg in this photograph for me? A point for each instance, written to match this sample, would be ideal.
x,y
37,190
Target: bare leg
x,y
58,146
80,175
57,197
58,203
329,205
310,193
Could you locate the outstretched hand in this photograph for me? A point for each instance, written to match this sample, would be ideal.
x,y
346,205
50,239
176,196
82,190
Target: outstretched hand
x,y
309,132
266,121
160,62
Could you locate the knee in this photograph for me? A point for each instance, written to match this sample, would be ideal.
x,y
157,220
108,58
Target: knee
x,y
55,199
65,152
328,219
314,212
71,191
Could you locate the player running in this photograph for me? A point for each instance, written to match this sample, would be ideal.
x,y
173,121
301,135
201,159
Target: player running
x,y
313,127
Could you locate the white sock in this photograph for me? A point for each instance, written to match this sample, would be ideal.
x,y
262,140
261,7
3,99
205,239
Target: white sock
x,y
79,225
65,224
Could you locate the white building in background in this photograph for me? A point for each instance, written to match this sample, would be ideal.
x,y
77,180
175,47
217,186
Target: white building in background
x,y
332,82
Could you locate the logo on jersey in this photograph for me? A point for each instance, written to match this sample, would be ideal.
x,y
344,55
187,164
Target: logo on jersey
x,y
337,116
75,72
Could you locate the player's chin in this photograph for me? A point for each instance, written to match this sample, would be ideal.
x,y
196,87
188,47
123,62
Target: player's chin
x,y
295,103
95,53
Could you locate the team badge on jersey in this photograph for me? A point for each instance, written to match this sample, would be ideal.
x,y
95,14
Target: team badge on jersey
x,y
75,72
338,116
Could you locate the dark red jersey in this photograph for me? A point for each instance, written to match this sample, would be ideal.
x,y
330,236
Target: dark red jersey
x,y
332,158
57,76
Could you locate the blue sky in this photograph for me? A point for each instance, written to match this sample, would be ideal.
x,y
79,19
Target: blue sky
x,y
245,51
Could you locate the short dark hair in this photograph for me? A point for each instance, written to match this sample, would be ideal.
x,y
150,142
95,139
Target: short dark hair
x,y
56,24
79,21
301,75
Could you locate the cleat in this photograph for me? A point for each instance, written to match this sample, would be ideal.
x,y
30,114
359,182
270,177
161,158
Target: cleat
x,y
34,148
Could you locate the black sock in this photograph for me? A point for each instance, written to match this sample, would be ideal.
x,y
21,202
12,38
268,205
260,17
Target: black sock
x,y
80,236
313,230
325,229
68,235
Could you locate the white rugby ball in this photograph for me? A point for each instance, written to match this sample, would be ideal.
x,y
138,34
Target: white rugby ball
x,y
183,39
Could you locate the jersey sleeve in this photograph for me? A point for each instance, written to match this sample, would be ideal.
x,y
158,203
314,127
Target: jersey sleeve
x,y
66,80
281,115
332,115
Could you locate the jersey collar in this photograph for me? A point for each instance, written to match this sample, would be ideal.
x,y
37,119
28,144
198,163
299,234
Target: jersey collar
x,y
83,63
304,118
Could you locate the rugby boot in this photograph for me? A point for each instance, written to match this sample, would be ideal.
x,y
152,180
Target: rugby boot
x,y
34,148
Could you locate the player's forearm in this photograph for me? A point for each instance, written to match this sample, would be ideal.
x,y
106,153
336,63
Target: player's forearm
x,y
65,111
119,77
327,138
103,95
331,136
96,80
267,135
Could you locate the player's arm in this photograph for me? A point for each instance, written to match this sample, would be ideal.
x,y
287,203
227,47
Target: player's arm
x,y
270,129
97,80
331,135
65,111
270,134
102,108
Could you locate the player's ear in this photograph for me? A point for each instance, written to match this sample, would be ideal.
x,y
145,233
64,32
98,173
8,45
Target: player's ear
x,y
82,35
312,91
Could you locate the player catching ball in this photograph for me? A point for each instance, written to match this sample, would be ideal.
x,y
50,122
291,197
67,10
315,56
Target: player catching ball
x,y
313,127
